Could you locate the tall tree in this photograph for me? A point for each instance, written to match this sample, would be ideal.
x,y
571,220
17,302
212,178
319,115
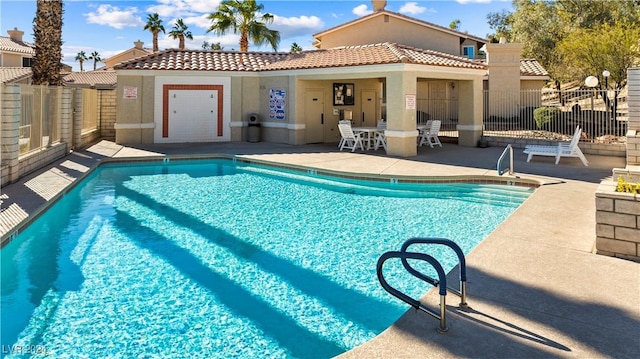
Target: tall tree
x,y
542,26
455,24
213,46
611,47
154,25
295,47
244,17
180,32
95,56
500,22
81,57
47,34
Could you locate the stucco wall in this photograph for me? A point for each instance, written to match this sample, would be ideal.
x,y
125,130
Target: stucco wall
x,y
134,115
11,60
376,30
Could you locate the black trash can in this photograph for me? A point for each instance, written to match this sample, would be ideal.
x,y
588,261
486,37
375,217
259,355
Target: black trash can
x,y
253,132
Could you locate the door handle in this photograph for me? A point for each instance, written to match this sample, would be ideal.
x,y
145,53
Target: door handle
x,y
322,118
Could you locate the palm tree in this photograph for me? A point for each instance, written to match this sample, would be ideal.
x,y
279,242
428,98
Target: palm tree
x,y
154,24
241,17
47,34
295,47
81,57
180,32
213,46
95,56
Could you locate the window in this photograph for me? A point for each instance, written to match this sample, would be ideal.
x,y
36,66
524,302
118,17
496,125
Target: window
x,y
468,51
27,62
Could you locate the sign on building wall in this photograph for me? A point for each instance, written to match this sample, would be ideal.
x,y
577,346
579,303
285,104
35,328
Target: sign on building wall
x,y
410,102
276,104
130,93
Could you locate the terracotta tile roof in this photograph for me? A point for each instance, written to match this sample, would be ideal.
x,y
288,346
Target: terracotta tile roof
x,y
6,44
98,78
375,54
531,67
14,74
201,60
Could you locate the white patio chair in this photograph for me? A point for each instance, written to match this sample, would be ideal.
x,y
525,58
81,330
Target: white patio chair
x,y
350,140
429,135
380,139
563,149
348,122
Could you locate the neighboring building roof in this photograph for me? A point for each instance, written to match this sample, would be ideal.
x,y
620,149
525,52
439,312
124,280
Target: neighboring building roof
x,y
375,54
531,67
137,51
14,74
9,45
98,78
402,17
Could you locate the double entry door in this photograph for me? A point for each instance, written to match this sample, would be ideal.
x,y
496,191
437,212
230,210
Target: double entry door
x,y
321,128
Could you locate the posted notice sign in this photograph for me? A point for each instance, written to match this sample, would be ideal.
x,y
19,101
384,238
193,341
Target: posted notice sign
x,y
130,92
410,102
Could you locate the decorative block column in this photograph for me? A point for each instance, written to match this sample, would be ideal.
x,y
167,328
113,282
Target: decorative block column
x,y
66,117
633,129
10,132
503,61
76,123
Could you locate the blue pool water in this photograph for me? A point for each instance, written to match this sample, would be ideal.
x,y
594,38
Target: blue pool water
x,y
206,259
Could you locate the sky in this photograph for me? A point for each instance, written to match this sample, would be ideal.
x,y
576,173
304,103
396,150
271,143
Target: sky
x,y
110,27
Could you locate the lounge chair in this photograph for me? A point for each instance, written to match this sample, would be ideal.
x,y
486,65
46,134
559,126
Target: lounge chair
x,y
429,135
563,149
350,140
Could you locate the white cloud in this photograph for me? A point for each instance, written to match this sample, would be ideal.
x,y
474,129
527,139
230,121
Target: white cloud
x,y
412,8
473,1
182,8
296,26
115,17
361,10
200,21
307,22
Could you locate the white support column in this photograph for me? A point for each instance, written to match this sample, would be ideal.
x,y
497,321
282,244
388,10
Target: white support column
x,y
470,109
401,130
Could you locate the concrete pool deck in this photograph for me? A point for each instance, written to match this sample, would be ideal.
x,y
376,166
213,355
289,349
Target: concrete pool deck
x,y
535,287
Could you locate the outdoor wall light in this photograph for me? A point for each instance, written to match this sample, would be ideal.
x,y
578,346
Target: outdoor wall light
x,y
591,81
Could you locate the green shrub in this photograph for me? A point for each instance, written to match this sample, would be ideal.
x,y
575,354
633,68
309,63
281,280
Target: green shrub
x,y
546,115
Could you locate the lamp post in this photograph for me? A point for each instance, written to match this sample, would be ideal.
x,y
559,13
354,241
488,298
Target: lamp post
x,y
605,98
591,81
606,75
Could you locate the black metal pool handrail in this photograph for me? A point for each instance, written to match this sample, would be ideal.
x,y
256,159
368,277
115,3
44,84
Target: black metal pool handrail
x,y
441,315
461,260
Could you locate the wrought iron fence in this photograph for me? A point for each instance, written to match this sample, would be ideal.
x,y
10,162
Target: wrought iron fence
x,y
40,117
445,110
552,114
545,114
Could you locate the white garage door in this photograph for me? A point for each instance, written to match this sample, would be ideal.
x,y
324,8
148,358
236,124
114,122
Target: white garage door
x,y
193,115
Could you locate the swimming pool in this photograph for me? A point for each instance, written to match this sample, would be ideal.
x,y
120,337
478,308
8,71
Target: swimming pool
x,y
214,258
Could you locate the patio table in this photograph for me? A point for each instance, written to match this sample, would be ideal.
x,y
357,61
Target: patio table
x,y
370,134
